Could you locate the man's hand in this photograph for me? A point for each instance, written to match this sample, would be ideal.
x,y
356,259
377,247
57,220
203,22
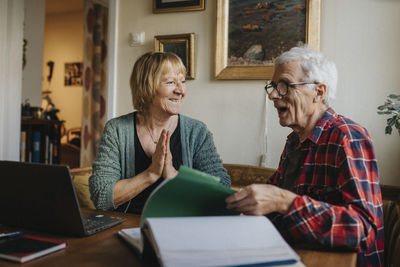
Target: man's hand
x,y
261,199
169,170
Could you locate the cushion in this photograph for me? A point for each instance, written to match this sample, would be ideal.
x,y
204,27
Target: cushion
x,y
81,183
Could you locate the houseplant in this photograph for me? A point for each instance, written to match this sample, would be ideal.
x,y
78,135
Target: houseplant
x,y
391,107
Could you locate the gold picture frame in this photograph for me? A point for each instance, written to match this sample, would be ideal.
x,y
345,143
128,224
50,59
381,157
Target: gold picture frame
x,y
180,44
164,6
224,71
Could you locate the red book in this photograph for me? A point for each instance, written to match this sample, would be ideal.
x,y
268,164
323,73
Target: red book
x,y
24,248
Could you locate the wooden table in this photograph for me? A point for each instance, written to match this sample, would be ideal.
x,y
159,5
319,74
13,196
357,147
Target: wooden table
x,y
107,249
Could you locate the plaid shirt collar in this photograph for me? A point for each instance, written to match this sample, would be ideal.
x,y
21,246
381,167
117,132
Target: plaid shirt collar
x,y
324,123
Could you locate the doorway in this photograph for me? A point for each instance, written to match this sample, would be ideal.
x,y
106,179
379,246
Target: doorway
x,y
63,52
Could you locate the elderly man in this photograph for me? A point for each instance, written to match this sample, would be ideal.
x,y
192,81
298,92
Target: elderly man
x,y
326,189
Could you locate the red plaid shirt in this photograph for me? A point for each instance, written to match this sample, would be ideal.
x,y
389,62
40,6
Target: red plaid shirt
x,y
339,201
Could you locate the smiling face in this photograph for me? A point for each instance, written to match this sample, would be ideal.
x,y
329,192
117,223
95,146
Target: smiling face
x,y
170,92
298,108
149,73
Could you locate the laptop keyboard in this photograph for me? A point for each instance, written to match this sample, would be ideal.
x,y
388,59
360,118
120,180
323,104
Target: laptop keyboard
x,y
96,222
91,224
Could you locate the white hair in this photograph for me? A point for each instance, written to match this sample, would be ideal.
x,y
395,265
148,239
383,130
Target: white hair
x,y
316,68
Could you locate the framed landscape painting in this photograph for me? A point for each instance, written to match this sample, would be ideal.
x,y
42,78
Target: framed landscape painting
x,y
251,34
180,44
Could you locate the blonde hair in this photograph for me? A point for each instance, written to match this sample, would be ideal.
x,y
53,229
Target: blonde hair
x,y
146,75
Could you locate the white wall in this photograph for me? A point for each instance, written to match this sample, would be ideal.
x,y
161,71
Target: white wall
x,y
361,36
33,33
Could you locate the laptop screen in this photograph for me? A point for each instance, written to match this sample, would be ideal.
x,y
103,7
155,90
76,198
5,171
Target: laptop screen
x,y
40,197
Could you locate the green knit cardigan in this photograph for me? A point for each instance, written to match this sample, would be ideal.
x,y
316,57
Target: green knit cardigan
x,y
115,158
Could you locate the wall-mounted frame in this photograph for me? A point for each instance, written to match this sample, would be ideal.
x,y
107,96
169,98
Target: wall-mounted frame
x,y
250,34
180,44
164,6
73,74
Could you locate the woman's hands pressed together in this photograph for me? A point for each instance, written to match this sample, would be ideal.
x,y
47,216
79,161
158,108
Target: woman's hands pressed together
x,y
169,170
162,159
161,166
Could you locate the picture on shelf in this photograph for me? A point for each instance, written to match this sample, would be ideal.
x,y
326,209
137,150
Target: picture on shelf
x,y
73,74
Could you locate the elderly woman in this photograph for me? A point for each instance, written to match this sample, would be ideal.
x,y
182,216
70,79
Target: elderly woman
x,y
326,189
138,150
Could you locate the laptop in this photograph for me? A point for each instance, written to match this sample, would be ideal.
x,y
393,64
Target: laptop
x,y
42,197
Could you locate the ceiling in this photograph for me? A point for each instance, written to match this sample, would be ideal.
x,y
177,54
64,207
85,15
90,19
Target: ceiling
x,y
63,6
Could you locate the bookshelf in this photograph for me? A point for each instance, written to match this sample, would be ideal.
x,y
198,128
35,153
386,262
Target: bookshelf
x,y
40,140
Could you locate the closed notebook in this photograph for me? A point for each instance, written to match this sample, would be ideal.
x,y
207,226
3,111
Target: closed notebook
x,y
24,248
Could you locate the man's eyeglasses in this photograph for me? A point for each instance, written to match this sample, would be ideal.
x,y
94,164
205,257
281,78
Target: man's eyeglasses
x,y
282,86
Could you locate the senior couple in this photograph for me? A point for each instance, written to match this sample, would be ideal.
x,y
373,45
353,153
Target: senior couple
x,y
325,191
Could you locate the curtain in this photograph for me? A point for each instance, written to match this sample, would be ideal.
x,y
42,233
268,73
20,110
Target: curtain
x,y
95,79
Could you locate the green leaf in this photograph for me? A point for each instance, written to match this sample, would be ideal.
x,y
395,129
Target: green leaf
x,y
391,107
382,107
391,121
388,130
397,123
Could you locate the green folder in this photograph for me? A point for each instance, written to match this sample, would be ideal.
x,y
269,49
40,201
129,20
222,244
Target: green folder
x,y
190,193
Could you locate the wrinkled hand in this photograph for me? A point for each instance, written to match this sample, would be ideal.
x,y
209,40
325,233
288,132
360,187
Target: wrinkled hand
x,y
169,170
261,199
157,161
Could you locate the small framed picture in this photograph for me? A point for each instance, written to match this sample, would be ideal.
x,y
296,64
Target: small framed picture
x,y
164,6
73,74
180,44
